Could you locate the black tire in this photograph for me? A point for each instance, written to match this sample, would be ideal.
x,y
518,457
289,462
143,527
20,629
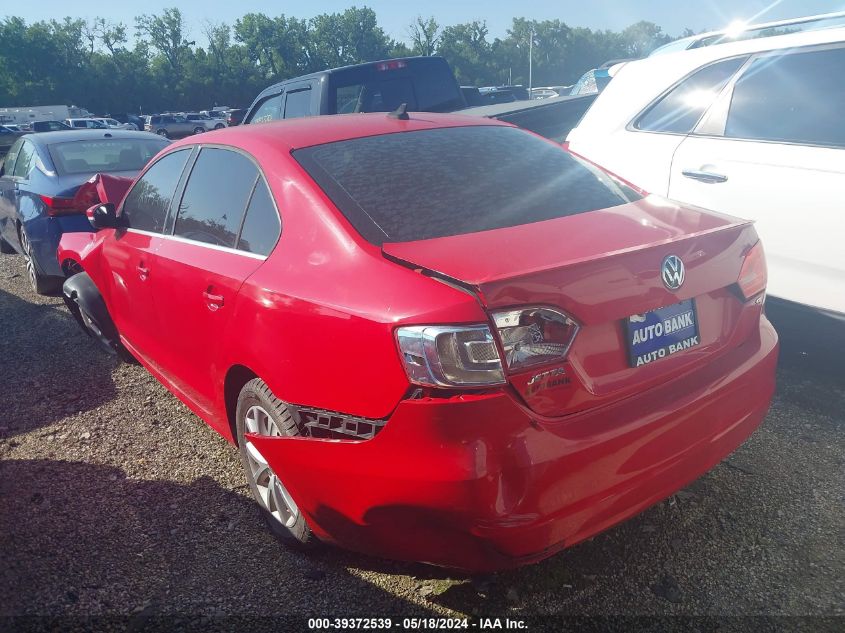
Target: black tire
x,y
219,126
199,130
256,393
162,132
41,284
5,247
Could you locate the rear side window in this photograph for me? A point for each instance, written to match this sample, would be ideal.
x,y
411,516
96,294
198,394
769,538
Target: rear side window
x,y
269,110
298,104
261,227
434,183
795,98
148,201
215,197
680,109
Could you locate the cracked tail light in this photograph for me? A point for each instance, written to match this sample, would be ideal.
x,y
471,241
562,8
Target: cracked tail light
x,y
753,275
463,356
534,336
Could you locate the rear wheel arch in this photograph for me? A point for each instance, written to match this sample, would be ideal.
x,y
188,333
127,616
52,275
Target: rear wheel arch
x,y
236,377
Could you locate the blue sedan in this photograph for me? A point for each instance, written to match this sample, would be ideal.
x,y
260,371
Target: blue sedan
x,y
38,180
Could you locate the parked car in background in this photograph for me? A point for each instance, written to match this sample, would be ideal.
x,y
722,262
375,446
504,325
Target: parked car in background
x,y
8,136
114,124
216,114
235,117
740,31
49,126
14,127
544,93
172,125
422,83
486,411
89,124
39,179
472,96
592,82
204,123
520,92
133,119
752,128
491,95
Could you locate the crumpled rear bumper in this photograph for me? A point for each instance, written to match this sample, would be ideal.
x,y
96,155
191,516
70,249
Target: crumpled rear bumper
x,y
478,483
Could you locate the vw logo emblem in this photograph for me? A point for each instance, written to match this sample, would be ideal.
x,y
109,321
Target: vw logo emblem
x,y
672,272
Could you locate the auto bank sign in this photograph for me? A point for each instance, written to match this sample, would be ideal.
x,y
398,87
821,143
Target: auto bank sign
x,y
662,332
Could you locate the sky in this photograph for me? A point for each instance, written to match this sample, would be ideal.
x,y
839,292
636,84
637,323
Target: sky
x,y
394,16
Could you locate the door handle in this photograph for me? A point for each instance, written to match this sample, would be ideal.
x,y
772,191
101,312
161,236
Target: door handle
x,y
214,301
143,271
709,177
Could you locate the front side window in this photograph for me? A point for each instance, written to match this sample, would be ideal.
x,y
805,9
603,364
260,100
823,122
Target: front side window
x,y
793,98
298,104
261,227
9,161
679,110
26,158
269,110
215,197
436,183
146,205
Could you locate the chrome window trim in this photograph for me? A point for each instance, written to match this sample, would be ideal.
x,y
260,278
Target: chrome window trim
x,y
185,240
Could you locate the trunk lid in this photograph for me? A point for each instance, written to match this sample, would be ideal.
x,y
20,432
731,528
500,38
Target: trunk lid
x,y
600,268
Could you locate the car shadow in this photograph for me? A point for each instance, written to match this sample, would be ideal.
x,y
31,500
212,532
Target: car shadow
x,y
49,368
86,539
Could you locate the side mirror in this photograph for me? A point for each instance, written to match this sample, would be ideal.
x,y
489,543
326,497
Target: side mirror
x,y
102,216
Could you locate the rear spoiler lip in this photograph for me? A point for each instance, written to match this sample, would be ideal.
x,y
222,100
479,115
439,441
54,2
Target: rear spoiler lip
x,y
474,285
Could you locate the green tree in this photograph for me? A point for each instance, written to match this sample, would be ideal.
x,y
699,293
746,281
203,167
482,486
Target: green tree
x,y
466,48
340,39
642,38
425,36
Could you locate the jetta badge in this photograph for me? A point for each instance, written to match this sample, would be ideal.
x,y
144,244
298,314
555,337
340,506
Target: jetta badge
x,y
672,272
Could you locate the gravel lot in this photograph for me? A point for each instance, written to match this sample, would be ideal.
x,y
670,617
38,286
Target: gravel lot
x,y
116,500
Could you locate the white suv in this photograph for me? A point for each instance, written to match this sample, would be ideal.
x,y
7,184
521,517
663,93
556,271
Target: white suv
x,y
754,129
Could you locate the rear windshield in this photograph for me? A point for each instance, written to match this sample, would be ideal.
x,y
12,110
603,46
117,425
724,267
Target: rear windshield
x,y
424,85
435,183
80,157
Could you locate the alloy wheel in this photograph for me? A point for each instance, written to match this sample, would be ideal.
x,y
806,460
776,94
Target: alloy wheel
x,y
31,273
271,492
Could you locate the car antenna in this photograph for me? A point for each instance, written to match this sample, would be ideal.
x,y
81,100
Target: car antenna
x,y
400,113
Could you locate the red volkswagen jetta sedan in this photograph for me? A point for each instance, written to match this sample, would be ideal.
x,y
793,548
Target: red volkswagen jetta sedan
x,y
433,338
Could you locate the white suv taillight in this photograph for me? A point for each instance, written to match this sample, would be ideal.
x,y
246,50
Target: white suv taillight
x,y
534,336
450,356
753,274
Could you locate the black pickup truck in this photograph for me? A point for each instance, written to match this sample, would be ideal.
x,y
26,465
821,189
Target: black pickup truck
x,y
552,118
425,84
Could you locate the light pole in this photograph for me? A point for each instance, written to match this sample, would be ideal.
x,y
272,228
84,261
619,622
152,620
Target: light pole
x,y
530,62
